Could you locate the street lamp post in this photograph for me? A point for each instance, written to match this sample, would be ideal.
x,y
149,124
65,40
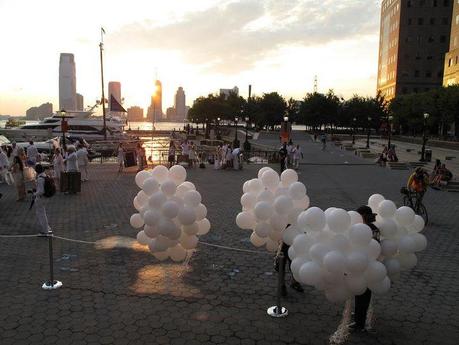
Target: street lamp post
x,y
353,130
236,141
247,145
389,129
424,137
369,132
219,137
64,125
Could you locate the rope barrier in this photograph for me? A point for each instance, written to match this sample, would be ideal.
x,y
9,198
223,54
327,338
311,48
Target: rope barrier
x,y
20,236
235,249
73,240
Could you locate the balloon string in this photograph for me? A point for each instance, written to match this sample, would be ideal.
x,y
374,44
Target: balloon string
x,y
235,249
73,240
20,236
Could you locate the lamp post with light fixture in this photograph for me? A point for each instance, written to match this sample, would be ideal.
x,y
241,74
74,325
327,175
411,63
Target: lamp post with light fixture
x,y
369,132
424,137
236,141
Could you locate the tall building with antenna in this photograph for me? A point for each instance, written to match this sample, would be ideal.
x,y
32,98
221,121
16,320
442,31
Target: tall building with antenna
x,y
67,82
155,110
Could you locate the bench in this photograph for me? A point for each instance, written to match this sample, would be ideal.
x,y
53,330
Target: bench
x,y
449,158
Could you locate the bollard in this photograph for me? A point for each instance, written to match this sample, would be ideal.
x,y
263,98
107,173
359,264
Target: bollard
x,y
51,284
278,310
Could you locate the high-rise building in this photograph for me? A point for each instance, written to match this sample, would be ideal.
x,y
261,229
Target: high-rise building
x,y
114,89
180,106
135,114
67,82
155,110
414,37
79,102
227,92
451,74
40,112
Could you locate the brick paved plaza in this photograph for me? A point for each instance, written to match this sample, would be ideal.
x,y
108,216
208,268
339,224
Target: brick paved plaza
x,y
115,292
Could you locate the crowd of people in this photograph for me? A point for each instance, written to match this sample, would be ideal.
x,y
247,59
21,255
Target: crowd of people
x,y
227,157
290,155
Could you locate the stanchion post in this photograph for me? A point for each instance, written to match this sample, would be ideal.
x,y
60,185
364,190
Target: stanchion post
x,y
278,310
51,284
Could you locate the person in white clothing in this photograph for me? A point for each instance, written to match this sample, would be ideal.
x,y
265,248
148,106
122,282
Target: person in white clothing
x,y
58,165
72,159
32,154
83,161
4,164
39,201
297,155
120,157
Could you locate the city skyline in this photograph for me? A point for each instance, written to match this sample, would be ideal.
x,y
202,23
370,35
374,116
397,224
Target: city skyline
x,y
202,46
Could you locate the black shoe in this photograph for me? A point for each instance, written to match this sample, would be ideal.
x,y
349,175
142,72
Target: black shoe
x,y
284,291
297,286
354,328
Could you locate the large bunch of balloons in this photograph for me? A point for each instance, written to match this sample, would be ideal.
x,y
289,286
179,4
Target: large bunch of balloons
x,y
169,211
269,203
336,253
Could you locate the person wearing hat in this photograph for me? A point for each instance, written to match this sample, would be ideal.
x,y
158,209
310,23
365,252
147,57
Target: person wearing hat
x,y
418,182
362,302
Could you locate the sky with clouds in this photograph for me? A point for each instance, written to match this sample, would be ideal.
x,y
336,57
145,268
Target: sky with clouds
x,y
202,45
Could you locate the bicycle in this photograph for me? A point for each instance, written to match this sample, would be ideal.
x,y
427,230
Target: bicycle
x,y
414,200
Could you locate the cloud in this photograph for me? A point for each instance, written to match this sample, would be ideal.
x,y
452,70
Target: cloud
x,y
232,37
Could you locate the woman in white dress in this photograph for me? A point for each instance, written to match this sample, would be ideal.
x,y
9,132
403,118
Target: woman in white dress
x,y
218,157
120,157
58,166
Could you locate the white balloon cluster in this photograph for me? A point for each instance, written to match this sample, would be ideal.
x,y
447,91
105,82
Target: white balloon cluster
x,y
400,234
336,252
269,204
170,212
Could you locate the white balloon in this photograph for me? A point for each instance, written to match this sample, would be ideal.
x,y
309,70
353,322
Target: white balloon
x,y
272,246
360,235
357,262
150,186
168,229
302,243
406,245
388,228
283,204
151,231
338,220
151,217
374,201
170,209
375,272
407,261
177,253
337,294
266,195
404,215
161,256
142,238
263,210
160,173
158,244
288,177
189,242
289,234
256,240
255,186
270,179
276,236
374,249
302,204
245,187
334,262
188,185
291,253
418,224
186,216
169,188
329,210
263,229
392,266
281,191
136,221
204,226
142,198
293,216
191,229
296,264
262,170
341,243
246,220
318,251
356,218
297,190
248,200
201,212
389,248
192,198
157,200
381,287
178,174
141,177
356,284
386,209
278,222
313,219
138,206
420,242
309,273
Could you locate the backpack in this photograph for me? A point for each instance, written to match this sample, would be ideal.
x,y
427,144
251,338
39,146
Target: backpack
x,y
50,187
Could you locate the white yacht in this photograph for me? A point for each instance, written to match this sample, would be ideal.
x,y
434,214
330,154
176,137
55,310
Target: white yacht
x,y
80,124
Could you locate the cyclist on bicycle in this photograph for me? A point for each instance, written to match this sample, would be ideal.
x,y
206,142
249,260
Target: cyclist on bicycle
x,y
418,182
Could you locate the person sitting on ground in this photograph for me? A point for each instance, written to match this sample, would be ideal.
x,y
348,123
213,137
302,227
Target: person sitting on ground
x,y
418,182
382,160
435,172
391,155
442,177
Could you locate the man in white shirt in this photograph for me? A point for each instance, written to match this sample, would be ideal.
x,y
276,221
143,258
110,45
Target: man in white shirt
x,y
72,159
40,201
32,154
82,156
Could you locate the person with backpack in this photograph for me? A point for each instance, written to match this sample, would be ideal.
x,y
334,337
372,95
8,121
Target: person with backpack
x,y
45,189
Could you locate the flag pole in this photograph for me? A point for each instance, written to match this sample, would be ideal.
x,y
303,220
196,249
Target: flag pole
x,y
101,47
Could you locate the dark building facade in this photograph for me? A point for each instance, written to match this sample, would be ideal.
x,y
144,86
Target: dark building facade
x,y
451,75
414,38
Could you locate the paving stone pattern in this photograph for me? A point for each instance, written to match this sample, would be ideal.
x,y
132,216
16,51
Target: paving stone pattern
x,y
115,292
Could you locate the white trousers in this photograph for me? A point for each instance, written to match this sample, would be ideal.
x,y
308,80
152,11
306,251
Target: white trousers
x,y
42,218
84,172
